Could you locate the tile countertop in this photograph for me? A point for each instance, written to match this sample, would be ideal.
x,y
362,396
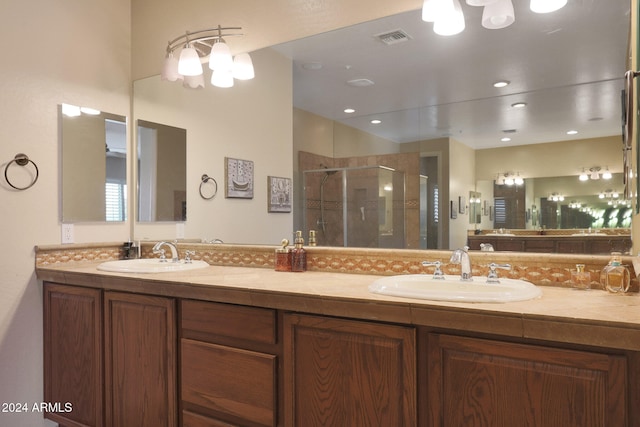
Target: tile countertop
x,y
594,318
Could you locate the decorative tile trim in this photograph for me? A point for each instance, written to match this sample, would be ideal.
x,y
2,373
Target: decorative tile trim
x,y
540,269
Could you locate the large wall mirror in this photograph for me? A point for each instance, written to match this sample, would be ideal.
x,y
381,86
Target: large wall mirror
x,y
94,165
567,68
162,172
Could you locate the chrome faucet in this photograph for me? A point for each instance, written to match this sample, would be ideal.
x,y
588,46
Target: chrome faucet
x,y
461,256
174,251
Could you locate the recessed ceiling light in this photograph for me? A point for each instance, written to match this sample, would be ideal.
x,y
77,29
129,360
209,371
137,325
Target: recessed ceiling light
x,y
360,82
376,121
572,132
501,83
349,110
505,139
519,105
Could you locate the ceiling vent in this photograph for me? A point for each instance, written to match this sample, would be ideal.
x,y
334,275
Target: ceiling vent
x,y
393,37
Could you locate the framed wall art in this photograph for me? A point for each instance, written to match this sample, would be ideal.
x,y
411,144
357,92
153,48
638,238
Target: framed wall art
x,y
239,178
279,194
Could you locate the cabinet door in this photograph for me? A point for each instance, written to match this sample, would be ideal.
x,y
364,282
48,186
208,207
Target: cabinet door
x,y
140,361
73,354
348,373
475,382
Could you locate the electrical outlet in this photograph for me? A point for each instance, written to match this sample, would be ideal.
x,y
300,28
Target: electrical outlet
x,y
67,233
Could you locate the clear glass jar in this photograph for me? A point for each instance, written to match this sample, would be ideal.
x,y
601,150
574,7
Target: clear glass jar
x,y
580,279
615,277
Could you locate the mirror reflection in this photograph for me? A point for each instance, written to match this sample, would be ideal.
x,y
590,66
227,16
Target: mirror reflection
x,y
575,81
162,172
94,165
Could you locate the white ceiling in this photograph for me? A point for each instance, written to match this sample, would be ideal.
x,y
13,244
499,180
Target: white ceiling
x,y
567,66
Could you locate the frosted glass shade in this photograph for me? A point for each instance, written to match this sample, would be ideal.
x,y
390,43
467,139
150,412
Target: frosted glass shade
x,y
222,79
498,15
243,67
220,58
193,82
546,6
480,2
189,63
451,21
170,69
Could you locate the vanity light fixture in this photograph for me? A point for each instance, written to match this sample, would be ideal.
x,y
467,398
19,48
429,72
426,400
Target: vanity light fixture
x,y
448,18
583,176
546,6
595,173
509,178
556,197
196,47
497,14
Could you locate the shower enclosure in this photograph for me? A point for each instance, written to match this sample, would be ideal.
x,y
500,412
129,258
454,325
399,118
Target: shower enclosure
x,y
355,207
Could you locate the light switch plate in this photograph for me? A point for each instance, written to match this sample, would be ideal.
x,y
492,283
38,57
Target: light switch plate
x,y
67,233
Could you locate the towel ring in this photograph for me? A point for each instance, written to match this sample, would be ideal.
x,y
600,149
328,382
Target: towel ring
x,y
206,178
21,159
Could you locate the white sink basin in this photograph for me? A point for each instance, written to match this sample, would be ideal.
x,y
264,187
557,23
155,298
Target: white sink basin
x,y
149,265
423,286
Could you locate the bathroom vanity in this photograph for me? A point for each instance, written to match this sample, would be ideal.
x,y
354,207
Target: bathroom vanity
x,y
239,346
554,243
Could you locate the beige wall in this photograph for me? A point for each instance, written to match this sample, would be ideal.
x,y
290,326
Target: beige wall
x,y
75,52
551,159
251,121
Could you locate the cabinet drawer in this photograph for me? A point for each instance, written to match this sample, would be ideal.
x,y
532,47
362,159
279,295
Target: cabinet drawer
x,y
231,381
208,319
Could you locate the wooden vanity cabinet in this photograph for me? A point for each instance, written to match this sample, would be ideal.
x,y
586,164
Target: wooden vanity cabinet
x,y
111,355
140,360
348,373
73,351
229,365
479,382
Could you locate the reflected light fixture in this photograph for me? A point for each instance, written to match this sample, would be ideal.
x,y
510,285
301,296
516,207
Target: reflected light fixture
x,y
583,176
606,174
546,6
206,46
498,14
448,18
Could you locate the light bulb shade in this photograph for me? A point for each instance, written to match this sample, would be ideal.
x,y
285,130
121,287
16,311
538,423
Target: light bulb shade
x,y
222,79
518,180
606,174
220,58
451,20
583,177
189,63
480,2
498,15
595,175
243,67
509,181
432,9
170,69
194,82
546,6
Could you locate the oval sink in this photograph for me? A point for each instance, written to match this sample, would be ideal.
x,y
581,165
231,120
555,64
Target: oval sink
x,y
423,286
149,265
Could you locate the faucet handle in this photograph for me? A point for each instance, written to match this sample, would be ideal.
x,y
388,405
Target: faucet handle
x,y
493,275
187,256
163,257
437,273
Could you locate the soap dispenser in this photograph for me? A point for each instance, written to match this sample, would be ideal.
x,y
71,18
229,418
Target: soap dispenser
x,y
298,254
615,277
283,256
